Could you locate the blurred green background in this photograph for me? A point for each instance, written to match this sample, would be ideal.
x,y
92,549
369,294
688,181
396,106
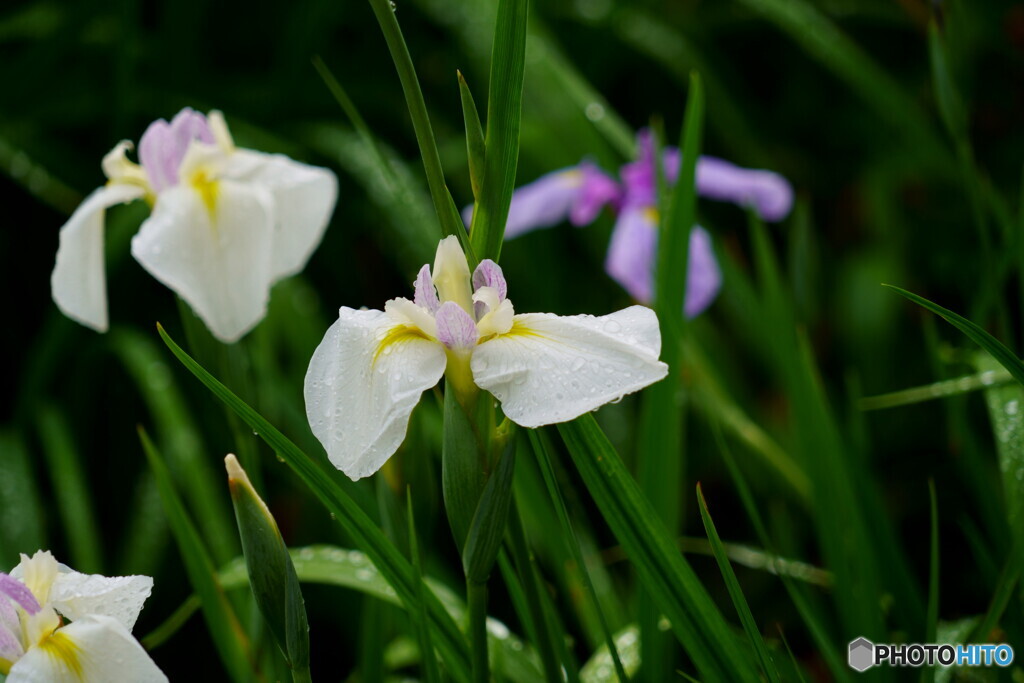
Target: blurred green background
x,y
836,95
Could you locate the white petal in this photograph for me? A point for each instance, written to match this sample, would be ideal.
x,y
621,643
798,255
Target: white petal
x,y
76,595
95,649
552,369
78,283
363,382
304,198
217,257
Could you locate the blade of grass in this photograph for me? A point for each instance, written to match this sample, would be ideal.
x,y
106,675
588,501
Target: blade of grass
x,y
736,593
660,439
696,621
180,440
822,640
542,449
447,216
979,336
71,489
504,112
225,630
476,146
543,633
395,568
343,568
943,389
421,624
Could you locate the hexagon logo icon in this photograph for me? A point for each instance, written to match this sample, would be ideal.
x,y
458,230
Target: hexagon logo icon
x,y
862,654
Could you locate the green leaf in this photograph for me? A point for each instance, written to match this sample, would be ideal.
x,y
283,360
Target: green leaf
x,y
958,386
475,145
541,449
397,571
823,641
599,669
226,631
736,593
660,448
421,623
677,224
180,439
462,474
352,569
995,348
529,600
945,90
504,111
488,527
71,489
450,221
696,621
271,574
1006,412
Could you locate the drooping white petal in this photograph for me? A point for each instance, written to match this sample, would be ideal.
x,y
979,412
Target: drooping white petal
x,y
363,382
551,369
94,649
211,241
76,595
304,198
78,283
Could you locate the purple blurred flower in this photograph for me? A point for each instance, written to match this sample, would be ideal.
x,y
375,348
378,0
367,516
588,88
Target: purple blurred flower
x,y
579,193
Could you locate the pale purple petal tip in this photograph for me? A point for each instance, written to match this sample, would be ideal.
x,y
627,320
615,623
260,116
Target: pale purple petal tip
x,y
596,191
19,593
426,295
456,329
630,259
163,145
769,193
703,276
488,274
10,646
543,203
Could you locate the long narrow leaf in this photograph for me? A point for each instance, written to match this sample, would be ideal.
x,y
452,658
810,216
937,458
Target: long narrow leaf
x,y
736,593
696,621
225,629
996,348
395,568
504,111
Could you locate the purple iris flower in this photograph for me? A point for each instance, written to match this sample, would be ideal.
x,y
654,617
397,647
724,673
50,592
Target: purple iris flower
x,y
580,192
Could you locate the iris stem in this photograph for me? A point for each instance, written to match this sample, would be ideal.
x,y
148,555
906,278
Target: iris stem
x,y
476,596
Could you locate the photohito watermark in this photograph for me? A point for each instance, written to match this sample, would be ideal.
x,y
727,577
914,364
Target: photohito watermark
x,y
864,654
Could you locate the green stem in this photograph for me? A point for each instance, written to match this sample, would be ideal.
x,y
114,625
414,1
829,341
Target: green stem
x,y
301,675
531,588
476,595
447,214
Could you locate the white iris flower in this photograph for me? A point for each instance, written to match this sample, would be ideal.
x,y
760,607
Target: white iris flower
x,y
227,223
369,371
60,626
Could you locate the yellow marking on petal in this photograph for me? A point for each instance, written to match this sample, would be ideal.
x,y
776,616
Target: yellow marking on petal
x,y
5,666
62,648
397,335
520,329
208,189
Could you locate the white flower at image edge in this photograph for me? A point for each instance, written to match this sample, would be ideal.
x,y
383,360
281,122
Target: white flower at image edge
x,y
368,373
60,626
226,224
